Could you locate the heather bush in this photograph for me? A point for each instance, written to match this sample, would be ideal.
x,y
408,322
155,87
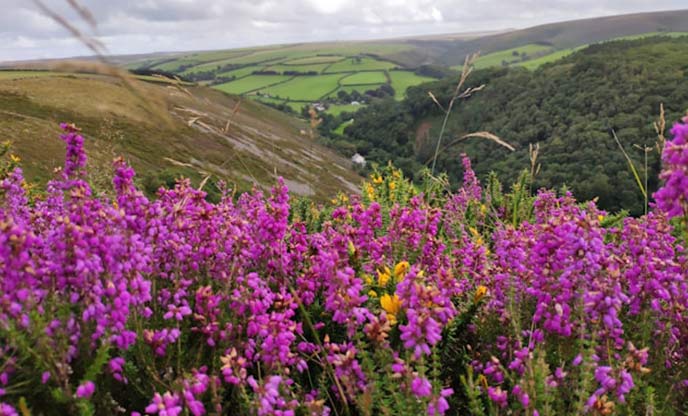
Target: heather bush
x,y
406,299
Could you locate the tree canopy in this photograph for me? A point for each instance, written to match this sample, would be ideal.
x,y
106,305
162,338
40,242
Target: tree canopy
x,y
569,107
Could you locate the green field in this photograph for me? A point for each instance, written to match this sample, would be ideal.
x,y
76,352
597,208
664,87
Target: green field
x,y
210,66
315,60
281,68
273,56
340,129
241,72
402,80
337,109
364,78
304,88
365,64
511,56
650,34
555,56
250,83
296,106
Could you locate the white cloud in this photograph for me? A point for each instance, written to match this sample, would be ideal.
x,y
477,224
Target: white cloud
x,y
139,26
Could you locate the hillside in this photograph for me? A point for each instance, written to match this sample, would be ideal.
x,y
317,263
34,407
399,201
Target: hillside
x,y
561,35
567,107
165,131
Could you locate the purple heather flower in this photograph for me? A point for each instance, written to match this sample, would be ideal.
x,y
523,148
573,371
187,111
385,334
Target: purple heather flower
x,y
420,386
578,359
165,405
7,410
85,390
672,197
498,396
438,406
521,395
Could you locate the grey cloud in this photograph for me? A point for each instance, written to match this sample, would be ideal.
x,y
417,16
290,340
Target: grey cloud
x,y
139,26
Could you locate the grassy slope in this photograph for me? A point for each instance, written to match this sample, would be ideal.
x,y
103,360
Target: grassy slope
x,y
156,133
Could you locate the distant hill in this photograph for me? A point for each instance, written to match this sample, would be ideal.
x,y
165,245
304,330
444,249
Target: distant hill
x,y
562,35
166,131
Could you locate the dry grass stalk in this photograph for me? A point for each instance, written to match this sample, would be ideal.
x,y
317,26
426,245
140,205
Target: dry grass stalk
x,y
660,128
481,135
192,121
534,152
83,12
314,121
466,71
234,113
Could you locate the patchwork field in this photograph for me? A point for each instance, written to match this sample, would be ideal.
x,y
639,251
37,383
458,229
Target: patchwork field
x,y
296,75
303,88
251,83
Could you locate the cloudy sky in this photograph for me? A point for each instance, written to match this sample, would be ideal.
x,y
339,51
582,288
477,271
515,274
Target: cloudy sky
x,y
139,26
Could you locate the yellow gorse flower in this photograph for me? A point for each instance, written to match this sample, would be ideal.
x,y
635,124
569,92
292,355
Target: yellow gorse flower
x,y
367,279
480,293
383,276
401,269
370,191
391,305
377,179
351,248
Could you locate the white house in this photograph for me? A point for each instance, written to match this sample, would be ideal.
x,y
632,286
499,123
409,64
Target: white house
x,y
358,160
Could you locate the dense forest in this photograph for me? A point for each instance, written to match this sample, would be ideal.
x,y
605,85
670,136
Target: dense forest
x,y
570,108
